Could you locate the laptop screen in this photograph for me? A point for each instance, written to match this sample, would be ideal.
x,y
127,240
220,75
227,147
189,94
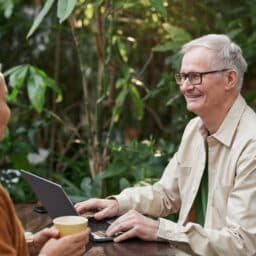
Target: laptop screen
x,y
52,195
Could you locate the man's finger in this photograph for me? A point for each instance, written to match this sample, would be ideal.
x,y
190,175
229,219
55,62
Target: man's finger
x,y
88,205
118,226
104,213
124,236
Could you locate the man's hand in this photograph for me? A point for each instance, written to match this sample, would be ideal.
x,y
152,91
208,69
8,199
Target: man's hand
x,y
104,207
134,224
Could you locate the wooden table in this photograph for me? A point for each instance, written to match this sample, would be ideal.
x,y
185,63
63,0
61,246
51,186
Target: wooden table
x,y
33,222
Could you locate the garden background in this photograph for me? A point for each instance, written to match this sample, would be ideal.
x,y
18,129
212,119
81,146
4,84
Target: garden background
x,y
91,86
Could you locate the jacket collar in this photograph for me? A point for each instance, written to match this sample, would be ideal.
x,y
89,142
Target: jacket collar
x,y
227,129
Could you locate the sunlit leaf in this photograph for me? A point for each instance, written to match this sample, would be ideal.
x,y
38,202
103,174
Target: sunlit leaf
x,y
120,82
7,7
49,82
40,17
65,8
176,33
139,106
36,89
119,104
36,81
12,70
122,50
121,97
17,76
159,7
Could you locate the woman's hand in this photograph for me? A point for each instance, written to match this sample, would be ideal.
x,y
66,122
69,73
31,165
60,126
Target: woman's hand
x,y
41,237
68,245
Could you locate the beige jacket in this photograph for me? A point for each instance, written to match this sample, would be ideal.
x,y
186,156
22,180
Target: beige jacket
x,y
230,224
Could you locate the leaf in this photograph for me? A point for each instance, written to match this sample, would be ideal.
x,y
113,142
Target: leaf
x,y
159,7
167,46
124,183
139,106
20,161
65,8
36,89
52,84
69,186
121,97
235,32
97,3
119,103
86,185
11,70
7,6
176,33
17,76
40,17
111,173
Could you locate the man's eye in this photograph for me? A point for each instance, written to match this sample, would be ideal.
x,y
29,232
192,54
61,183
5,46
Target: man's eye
x,y
194,76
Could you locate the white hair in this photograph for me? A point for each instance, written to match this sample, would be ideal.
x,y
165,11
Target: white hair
x,y
227,54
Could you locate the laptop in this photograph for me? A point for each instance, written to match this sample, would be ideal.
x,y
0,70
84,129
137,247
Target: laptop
x,y
52,195
57,203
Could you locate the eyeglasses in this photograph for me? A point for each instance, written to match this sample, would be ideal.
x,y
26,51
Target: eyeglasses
x,y
195,78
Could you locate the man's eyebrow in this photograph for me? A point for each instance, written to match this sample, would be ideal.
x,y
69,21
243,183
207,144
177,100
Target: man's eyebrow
x,y
189,72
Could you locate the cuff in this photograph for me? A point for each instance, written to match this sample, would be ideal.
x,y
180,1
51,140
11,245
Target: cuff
x,y
123,203
29,237
171,231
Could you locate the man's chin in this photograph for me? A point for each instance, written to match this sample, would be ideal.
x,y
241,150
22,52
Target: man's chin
x,y
194,108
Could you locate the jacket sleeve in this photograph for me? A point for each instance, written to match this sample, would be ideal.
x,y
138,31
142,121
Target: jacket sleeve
x,y
160,199
238,236
163,197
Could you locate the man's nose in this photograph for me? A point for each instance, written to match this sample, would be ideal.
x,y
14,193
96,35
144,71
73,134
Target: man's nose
x,y
186,84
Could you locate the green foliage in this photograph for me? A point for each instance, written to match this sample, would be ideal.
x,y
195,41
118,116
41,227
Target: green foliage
x,y
37,82
40,17
7,7
17,188
159,7
135,163
127,87
65,8
114,62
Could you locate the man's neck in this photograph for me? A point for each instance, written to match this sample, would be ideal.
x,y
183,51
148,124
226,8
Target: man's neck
x,y
213,121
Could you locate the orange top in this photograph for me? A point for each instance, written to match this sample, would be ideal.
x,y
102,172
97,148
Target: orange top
x,y
12,240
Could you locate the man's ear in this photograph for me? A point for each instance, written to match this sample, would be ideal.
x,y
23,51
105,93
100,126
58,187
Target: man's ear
x,y
232,79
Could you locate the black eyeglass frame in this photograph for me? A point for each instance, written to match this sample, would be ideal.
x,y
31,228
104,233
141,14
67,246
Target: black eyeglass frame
x,y
181,77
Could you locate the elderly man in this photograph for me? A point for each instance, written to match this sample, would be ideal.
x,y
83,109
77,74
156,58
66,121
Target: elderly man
x,y
211,180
